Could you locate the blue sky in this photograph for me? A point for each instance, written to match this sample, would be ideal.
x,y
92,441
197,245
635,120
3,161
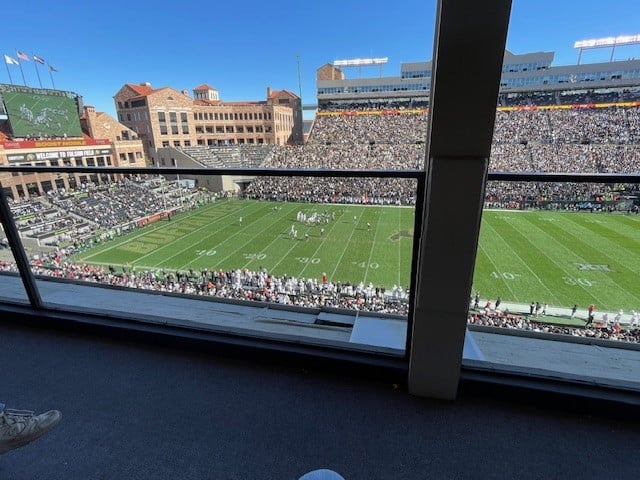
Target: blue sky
x,y
240,48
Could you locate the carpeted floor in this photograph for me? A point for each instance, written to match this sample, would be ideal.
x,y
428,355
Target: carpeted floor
x,y
136,411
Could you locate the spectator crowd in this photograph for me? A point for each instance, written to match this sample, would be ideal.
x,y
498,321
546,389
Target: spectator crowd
x,y
538,140
605,331
239,284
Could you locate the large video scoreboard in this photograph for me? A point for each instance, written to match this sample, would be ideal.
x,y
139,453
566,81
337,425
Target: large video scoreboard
x,y
40,113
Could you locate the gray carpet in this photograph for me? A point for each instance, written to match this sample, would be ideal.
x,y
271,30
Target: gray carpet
x,y
136,411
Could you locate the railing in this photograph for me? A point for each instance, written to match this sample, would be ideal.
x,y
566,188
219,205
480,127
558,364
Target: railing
x,y
29,279
23,262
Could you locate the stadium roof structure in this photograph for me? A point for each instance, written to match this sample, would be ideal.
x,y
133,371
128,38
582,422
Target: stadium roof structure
x,y
607,42
521,73
360,62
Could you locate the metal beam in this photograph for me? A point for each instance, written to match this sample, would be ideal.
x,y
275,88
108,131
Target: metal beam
x,y
469,40
19,254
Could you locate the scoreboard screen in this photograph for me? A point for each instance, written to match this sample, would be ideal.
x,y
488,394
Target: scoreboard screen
x,y
34,114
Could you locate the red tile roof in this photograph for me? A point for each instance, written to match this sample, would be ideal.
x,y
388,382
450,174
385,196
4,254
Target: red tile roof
x,y
141,90
202,87
275,93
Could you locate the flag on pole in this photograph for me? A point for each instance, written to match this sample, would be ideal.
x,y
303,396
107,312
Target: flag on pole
x,y
37,60
51,70
10,60
22,56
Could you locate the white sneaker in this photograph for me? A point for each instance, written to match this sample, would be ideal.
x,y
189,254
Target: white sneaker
x,y
19,427
322,474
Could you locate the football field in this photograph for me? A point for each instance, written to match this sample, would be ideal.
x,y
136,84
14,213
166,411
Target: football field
x,y
559,258
369,244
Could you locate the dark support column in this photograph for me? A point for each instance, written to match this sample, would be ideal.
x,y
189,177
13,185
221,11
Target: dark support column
x,y
467,65
18,252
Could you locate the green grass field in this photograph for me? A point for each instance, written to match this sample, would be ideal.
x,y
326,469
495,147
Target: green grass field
x,y
212,238
560,258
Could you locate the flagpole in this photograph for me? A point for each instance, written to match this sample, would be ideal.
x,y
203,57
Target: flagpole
x,y
8,72
35,65
51,75
21,71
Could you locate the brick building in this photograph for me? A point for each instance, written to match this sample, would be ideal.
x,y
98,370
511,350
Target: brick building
x,y
165,117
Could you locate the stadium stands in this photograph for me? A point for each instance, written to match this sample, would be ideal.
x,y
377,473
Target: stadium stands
x,y
590,140
232,156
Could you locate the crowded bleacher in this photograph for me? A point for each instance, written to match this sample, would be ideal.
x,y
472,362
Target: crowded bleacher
x,y
626,332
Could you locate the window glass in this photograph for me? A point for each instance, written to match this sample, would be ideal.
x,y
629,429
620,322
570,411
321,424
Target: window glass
x,y
556,260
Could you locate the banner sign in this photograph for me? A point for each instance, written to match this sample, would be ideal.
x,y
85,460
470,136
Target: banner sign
x,y
34,156
61,143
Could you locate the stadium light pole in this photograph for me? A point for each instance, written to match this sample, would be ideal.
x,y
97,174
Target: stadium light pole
x,y
300,95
